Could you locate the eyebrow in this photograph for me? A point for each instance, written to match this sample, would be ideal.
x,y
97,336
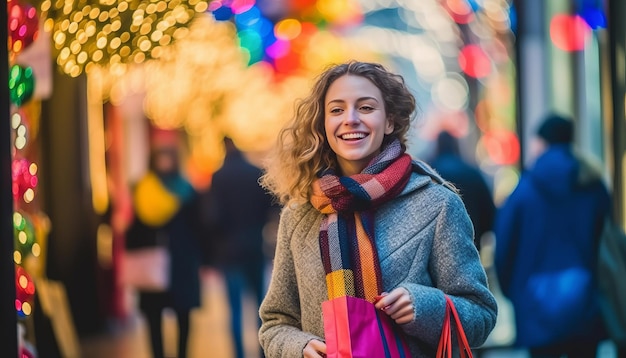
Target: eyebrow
x,y
358,100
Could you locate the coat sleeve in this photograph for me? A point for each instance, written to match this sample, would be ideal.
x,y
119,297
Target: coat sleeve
x,y
281,333
456,271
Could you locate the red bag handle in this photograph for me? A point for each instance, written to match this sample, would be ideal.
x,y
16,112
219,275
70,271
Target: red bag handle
x,y
444,349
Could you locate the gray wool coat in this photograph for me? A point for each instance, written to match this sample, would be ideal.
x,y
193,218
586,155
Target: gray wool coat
x,y
424,239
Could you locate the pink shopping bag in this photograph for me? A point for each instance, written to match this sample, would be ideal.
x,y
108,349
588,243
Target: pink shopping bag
x,y
354,328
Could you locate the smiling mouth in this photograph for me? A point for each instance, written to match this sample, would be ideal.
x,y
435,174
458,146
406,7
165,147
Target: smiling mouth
x,y
353,136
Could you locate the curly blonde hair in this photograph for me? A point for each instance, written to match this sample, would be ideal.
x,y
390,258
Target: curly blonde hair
x,y
302,151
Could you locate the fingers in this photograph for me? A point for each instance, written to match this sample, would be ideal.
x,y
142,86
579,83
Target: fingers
x,y
397,304
314,349
404,315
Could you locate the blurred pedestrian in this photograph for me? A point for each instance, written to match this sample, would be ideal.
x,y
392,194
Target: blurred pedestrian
x,y
237,211
166,213
546,247
363,219
470,182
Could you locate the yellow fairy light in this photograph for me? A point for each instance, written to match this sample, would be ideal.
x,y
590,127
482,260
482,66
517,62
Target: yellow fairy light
x,y
89,32
82,57
17,257
104,16
97,56
23,281
115,43
17,219
16,120
36,250
21,236
26,308
29,195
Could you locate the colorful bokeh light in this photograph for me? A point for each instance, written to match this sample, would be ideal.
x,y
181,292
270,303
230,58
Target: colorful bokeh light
x,y
21,84
24,174
502,146
23,25
569,32
25,292
474,61
461,11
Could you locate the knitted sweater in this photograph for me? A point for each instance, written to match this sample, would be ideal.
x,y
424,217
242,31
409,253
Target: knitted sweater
x,y
424,239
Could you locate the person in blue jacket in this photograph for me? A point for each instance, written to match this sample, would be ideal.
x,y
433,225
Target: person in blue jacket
x,y
237,212
547,232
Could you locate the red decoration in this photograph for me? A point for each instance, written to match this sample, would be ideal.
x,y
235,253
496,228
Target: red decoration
x,y
26,353
22,178
23,25
24,285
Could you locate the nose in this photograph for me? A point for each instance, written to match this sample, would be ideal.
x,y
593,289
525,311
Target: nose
x,y
352,117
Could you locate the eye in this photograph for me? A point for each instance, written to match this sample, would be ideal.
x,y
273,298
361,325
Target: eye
x,y
336,110
366,108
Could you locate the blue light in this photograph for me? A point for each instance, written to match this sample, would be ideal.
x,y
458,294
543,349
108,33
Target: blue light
x,y
223,13
594,17
248,19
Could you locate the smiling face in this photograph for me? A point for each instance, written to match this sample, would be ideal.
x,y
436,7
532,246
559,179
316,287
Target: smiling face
x,y
355,121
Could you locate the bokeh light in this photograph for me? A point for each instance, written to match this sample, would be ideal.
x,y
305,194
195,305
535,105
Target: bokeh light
x,y
20,130
569,33
21,84
461,11
24,175
474,61
451,93
23,24
86,33
24,236
25,291
595,17
287,29
502,146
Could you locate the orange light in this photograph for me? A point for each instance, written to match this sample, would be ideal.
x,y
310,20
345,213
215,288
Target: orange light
x,y
502,146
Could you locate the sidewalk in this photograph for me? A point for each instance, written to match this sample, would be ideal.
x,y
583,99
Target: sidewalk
x,y
210,338
209,335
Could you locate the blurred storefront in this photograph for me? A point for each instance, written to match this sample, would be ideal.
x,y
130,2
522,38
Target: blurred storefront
x,y
108,76
570,61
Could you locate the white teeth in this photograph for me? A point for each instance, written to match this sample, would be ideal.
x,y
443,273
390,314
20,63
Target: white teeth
x,y
353,136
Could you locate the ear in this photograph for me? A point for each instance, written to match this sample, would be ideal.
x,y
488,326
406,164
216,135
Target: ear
x,y
390,126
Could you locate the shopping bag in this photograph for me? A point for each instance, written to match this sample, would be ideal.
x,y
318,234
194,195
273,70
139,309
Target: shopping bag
x,y
146,269
444,350
354,328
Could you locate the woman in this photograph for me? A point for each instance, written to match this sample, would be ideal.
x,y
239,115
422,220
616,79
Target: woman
x,y
341,163
166,213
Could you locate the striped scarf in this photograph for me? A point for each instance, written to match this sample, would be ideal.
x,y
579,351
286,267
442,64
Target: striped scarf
x,y
346,235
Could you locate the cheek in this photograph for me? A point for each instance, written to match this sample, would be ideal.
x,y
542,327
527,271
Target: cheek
x,y
329,127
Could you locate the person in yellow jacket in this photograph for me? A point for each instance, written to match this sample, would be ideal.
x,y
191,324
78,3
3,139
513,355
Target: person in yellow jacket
x,y
166,213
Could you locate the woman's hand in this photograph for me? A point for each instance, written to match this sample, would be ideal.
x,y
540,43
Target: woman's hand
x,y
397,304
314,349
